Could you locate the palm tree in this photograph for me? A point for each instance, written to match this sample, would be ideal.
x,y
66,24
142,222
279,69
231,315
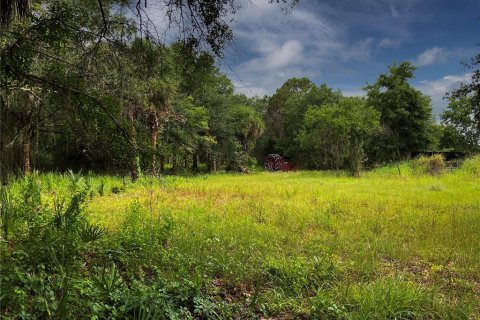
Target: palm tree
x,y
163,92
10,9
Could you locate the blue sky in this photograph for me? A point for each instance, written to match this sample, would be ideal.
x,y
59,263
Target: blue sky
x,y
348,43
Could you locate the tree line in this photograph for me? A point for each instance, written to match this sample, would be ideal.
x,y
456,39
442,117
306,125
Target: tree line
x,y
317,127
88,88
84,88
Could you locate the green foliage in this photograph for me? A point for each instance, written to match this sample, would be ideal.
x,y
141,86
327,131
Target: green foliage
x,y
433,165
461,125
120,105
325,307
392,298
405,115
297,277
304,251
285,112
45,252
334,135
471,166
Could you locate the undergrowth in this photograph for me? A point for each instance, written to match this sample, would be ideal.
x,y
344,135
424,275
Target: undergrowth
x,y
310,245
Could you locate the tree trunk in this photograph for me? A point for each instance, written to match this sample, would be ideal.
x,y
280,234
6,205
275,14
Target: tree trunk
x,y
162,163
195,162
27,168
135,160
134,172
209,163
186,162
174,162
154,131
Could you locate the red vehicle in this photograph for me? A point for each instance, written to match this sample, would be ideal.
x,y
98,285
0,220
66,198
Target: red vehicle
x,y
275,162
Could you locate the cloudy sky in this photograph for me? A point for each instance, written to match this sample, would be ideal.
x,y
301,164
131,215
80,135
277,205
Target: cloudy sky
x,y
348,43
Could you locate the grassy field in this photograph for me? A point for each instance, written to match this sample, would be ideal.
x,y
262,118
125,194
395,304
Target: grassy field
x,y
316,245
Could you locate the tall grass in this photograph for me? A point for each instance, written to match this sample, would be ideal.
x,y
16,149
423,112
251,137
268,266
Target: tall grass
x,y
318,245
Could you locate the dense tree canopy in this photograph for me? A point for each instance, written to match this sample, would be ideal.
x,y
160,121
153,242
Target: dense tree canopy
x,y
75,95
405,114
86,87
462,131
198,22
334,135
285,113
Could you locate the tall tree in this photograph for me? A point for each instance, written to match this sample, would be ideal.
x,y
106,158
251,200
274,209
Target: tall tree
x,y
199,22
276,139
334,135
285,112
462,128
463,113
405,114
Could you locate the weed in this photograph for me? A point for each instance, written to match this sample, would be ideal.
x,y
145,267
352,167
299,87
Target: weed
x,y
391,298
101,188
316,245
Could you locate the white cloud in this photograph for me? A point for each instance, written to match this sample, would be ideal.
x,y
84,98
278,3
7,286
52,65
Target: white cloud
x,y
434,55
249,89
360,51
438,55
394,11
389,43
314,40
437,89
274,58
279,47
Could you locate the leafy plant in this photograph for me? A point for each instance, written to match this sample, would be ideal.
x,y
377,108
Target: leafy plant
x,y
101,188
108,279
91,232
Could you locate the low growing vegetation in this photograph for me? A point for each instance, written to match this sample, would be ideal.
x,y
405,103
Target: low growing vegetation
x,y
283,246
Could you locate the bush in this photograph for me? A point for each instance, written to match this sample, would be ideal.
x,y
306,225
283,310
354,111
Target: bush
x,y
471,166
433,165
142,236
46,252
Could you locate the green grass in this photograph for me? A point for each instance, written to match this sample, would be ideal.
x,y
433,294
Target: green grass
x,y
293,245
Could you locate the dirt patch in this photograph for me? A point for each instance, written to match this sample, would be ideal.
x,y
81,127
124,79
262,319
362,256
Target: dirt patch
x,y
424,273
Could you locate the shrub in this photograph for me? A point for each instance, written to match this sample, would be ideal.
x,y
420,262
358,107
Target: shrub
x,y
471,166
44,259
433,165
